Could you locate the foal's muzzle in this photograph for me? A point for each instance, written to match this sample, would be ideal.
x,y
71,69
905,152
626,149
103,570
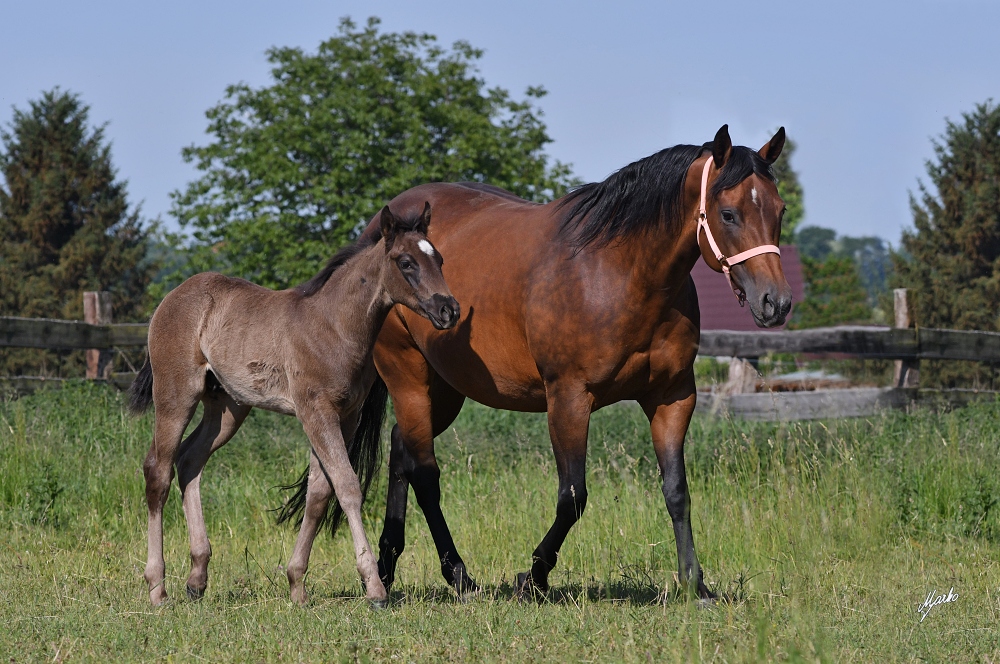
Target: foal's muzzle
x,y
442,311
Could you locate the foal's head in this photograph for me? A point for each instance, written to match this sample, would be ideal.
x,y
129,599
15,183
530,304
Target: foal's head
x,y
413,277
744,213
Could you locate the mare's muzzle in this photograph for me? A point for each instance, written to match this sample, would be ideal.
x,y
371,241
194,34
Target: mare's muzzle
x,y
442,311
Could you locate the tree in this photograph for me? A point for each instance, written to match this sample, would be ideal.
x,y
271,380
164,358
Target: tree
x,y
834,294
295,168
65,223
951,260
790,191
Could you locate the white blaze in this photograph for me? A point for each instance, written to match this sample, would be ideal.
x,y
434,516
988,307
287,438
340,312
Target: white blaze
x,y
426,247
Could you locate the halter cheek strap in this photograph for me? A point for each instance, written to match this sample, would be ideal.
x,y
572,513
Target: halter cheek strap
x,y
726,263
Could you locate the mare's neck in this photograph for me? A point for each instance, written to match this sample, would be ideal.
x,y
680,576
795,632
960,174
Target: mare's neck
x,y
663,258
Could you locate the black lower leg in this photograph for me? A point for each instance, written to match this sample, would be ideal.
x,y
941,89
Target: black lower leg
x,y
569,508
675,494
427,488
393,538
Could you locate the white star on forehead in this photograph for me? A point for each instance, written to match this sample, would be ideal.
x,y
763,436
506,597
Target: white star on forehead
x,y
753,194
426,247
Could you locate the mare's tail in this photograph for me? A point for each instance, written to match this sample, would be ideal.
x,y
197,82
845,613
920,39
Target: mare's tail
x,y
365,453
140,393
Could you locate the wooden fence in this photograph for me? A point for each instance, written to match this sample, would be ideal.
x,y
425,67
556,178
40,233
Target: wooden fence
x,y
906,344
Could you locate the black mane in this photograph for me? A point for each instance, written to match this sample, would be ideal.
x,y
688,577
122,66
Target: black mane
x,y
646,194
348,252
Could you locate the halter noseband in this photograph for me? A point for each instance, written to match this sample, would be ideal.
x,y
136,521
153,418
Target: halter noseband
x,y
726,263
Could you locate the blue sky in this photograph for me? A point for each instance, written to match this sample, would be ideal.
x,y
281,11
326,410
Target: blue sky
x,y
862,87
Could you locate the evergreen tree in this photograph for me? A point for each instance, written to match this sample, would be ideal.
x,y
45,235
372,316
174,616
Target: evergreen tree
x,y
834,294
65,224
951,260
297,167
790,191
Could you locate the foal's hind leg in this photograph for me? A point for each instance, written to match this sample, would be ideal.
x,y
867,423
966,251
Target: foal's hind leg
x,y
569,409
223,417
175,405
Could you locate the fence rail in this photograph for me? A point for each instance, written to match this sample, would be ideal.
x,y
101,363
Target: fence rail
x,y
858,341
68,334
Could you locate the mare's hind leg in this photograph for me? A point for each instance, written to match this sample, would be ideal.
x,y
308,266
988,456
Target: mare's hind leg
x,y
424,408
569,407
223,417
175,403
669,415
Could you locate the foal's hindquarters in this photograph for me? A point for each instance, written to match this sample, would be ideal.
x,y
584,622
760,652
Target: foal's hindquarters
x,y
197,352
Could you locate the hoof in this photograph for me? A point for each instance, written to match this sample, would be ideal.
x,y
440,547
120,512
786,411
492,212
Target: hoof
x,y
195,594
527,590
380,604
158,596
464,584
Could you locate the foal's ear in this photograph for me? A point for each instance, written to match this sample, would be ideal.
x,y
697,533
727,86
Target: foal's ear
x,y
425,219
772,149
722,146
388,222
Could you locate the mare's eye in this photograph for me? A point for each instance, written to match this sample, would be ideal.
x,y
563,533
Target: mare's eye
x,y
728,217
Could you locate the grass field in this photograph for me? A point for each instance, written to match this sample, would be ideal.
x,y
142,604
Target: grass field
x,y
827,536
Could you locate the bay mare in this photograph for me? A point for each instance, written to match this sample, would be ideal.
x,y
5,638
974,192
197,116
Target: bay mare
x,y
305,351
571,306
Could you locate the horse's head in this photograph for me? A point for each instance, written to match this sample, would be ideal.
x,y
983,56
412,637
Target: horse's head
x,y
413,277
740,223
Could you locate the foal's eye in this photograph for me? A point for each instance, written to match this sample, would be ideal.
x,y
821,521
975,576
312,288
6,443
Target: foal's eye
x,y
728,217
406,263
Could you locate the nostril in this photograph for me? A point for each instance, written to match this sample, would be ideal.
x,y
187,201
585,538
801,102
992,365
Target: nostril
x,y
446,313
767,306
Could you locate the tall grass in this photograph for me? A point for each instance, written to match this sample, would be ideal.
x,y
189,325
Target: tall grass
x,y
825,536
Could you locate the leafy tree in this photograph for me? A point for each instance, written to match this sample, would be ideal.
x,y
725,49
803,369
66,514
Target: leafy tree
x,y
65,223
951,260
834,294
815,242
869,254
790,191
295,168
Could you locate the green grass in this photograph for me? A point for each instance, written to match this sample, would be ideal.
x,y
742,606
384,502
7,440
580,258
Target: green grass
x,y
827,536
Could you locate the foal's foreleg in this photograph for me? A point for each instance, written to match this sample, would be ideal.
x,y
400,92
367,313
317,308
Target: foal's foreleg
x,y
223,417
330,451
569,422
670,415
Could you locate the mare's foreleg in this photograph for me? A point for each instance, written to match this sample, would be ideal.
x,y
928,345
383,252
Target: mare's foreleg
x,y
669,415
569,422
223,417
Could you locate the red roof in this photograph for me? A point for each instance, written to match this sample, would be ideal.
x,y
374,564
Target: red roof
x,y
719,308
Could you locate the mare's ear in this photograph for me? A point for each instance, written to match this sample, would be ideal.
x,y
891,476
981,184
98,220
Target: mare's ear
x,y
388,223
772,149
425,219
722,146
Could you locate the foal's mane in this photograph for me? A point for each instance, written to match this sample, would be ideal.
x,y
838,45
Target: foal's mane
x,y
348,252
647,194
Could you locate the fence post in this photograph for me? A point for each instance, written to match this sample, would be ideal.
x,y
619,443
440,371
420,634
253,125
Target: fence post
x,y
907,372
97,311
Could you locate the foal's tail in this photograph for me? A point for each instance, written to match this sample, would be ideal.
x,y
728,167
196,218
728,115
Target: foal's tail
x,y
140,393
365,453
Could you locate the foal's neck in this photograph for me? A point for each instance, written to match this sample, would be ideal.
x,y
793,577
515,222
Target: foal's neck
x,y
354,300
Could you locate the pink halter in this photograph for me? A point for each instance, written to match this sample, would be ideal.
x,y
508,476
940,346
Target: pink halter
x,y
726,263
